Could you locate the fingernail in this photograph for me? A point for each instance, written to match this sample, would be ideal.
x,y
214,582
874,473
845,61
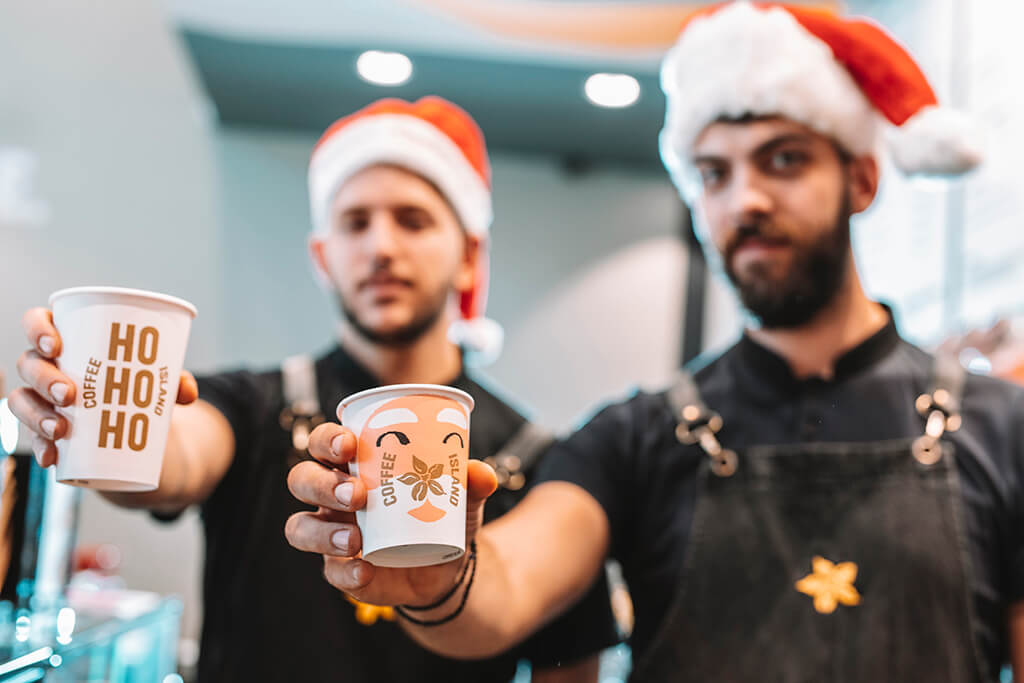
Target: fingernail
x,y
49,426
340,538
59,391
37,450
47,344
336,444
343,492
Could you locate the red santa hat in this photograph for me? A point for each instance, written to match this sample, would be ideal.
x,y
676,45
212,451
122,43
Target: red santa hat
x,y
440,142
843,77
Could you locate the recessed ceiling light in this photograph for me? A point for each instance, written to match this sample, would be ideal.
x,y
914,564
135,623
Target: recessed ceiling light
x,y
612,90
384,68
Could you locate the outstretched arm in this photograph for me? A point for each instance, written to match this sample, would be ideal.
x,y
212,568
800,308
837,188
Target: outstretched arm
x,y
200,446
532,563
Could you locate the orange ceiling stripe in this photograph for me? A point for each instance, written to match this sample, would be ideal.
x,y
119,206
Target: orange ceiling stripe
x,y
630,26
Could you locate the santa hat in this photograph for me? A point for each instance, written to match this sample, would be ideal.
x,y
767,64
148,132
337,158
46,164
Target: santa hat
x,y
843,77
440,142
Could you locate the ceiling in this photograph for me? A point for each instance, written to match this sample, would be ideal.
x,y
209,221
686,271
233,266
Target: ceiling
x,y
518,66
522,108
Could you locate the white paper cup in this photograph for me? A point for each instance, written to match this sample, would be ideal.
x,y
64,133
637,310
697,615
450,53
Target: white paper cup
x,y
412,455
124,350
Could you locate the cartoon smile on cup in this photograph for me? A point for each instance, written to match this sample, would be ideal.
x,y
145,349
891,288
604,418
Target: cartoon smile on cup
x,y
413,449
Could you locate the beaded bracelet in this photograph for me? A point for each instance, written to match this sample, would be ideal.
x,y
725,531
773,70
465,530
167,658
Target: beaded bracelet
x,y
470,569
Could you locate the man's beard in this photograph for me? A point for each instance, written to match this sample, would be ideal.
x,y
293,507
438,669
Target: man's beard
x,y
815,275
423,321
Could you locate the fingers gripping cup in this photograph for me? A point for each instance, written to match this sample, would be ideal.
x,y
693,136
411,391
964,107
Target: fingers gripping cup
x,y
412,453
124,350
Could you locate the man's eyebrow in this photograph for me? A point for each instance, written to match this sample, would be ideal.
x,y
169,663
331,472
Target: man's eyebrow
x,y
708,159
784,139
760,150
400,207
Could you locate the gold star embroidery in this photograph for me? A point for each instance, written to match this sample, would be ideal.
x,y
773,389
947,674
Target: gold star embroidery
x,y
367,614
830,584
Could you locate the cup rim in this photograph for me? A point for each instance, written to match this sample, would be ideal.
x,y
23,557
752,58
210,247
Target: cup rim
x,y
125,291
408,389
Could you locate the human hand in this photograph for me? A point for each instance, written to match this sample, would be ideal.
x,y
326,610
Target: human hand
x,y
48,388
332,531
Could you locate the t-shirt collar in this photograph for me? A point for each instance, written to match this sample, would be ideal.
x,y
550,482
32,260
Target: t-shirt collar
x,y
764,366
355,377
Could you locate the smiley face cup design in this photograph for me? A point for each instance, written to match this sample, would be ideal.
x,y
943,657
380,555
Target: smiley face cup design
x,y
413,448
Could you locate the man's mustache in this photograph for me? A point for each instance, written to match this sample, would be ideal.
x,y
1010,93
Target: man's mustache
x,y
382,275
761,231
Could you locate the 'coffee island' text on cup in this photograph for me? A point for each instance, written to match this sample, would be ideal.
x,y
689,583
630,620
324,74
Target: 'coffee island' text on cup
x,y
127,394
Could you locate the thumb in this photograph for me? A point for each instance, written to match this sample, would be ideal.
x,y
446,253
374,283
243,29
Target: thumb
x,y
481,482
188,390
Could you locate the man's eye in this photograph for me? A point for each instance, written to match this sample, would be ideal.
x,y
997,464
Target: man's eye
x,y
711,175
413,221
354,224
786,159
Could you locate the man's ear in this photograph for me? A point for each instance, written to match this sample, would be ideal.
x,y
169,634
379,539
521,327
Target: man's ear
x,y
316,256
863,177
472,249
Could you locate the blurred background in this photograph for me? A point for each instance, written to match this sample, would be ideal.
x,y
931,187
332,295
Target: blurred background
x,y
163,144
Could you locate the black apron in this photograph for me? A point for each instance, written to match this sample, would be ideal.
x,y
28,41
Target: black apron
x,y
838,562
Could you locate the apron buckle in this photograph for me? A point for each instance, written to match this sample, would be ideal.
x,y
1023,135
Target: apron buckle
x,y
927,450
939,405
695,423
725,463
699,427
299,424
941,417
508,469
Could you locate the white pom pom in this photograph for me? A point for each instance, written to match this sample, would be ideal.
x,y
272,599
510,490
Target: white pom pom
x,y
935,141
480,338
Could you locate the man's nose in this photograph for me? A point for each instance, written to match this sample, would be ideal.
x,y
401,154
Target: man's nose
x,y
382,236
749,198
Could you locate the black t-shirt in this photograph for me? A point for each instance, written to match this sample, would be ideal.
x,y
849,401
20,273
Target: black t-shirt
x,y
269,613
629,459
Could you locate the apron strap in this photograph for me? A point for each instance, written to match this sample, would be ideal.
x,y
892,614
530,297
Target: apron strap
x,y
684,393
940,407
301,412
698,424
948,377
519,455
